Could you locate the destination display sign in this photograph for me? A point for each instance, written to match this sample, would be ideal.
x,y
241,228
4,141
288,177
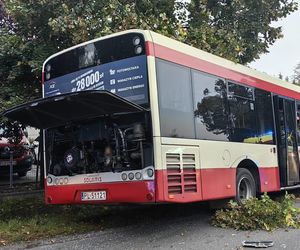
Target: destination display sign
x,y
126,78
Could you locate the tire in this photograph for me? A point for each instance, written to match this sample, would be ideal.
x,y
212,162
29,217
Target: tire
x,y
245,185
22,174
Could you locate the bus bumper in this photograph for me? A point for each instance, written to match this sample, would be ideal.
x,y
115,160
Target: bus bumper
x,y
119,192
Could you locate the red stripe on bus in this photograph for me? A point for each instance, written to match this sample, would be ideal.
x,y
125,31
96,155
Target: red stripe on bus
x,y
216,183
118,192
269,179
221,183
205,66
149,48
165,181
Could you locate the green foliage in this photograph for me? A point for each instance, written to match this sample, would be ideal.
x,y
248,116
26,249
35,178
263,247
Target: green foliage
x,y
296,78
238,30
263,213
29,218
11,130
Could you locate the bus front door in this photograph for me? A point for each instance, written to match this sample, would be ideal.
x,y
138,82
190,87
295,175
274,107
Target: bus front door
x,y
288,159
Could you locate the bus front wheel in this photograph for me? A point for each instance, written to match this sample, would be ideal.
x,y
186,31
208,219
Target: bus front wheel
x,y
245,185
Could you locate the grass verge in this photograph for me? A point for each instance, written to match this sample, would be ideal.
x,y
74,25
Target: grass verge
x,y
29,218
263,213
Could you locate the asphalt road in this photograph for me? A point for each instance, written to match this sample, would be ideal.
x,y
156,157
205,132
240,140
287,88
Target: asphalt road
x,y
164,227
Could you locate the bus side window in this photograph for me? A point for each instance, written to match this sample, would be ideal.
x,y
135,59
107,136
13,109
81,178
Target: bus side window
x,y
265,120
210,107
175,100
242,117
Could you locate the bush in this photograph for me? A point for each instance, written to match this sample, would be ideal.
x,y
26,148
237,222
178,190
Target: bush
x,y
263,213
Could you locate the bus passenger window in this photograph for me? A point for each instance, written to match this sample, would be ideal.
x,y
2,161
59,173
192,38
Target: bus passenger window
x,y
210,107
265,122
175,100
242,118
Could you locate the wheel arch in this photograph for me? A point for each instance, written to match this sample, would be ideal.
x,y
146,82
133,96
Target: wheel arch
x,y
253,168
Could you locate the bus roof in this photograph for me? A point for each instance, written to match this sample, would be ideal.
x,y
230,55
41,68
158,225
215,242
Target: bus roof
x,y
191,54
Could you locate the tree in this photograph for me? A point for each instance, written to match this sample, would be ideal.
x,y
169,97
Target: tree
x,y
296,77
287,79
239,30
32,30
2,13
11,130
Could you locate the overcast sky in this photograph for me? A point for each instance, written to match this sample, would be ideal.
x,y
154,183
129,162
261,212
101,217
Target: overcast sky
x,y
284,55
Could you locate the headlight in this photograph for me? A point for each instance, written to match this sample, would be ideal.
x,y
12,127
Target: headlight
x,y
131,176
49,179
150,172
138,175
124,176
66,180
48,67
56,181
136,41
138,50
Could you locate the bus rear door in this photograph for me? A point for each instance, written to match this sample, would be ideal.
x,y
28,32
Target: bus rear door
x,y
288,158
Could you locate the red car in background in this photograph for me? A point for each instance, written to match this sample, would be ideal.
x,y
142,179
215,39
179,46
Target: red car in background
x,y
22,155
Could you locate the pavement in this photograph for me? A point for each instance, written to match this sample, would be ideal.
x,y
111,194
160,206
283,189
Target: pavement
x,y
178,226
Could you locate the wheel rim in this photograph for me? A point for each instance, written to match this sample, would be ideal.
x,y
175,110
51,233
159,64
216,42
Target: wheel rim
x,y
245,191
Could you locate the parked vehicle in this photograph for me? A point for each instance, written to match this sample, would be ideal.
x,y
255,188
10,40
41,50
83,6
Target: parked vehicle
x,y
22,157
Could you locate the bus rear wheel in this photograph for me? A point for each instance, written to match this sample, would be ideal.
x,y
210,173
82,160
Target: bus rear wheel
x,y
245,185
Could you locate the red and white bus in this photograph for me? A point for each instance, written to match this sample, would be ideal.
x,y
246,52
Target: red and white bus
x,y
137,117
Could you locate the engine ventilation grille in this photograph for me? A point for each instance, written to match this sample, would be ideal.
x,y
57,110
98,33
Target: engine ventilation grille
x,y
181,173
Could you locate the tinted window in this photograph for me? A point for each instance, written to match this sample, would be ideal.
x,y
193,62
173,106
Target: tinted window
x,y
175,100
292,150
242,118
210,107
265,123
93,54
240,91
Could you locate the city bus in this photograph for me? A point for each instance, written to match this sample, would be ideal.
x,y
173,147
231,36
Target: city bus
x,y
137,117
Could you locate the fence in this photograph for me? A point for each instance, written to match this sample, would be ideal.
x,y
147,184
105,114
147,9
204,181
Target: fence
x,y
19,179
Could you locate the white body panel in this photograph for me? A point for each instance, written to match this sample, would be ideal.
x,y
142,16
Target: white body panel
x,y
217,154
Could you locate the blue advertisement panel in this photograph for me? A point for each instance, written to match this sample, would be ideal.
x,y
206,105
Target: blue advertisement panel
x,y
126,78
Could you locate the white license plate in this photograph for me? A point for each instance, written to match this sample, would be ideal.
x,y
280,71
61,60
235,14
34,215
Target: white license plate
x,y
93,196
7,163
